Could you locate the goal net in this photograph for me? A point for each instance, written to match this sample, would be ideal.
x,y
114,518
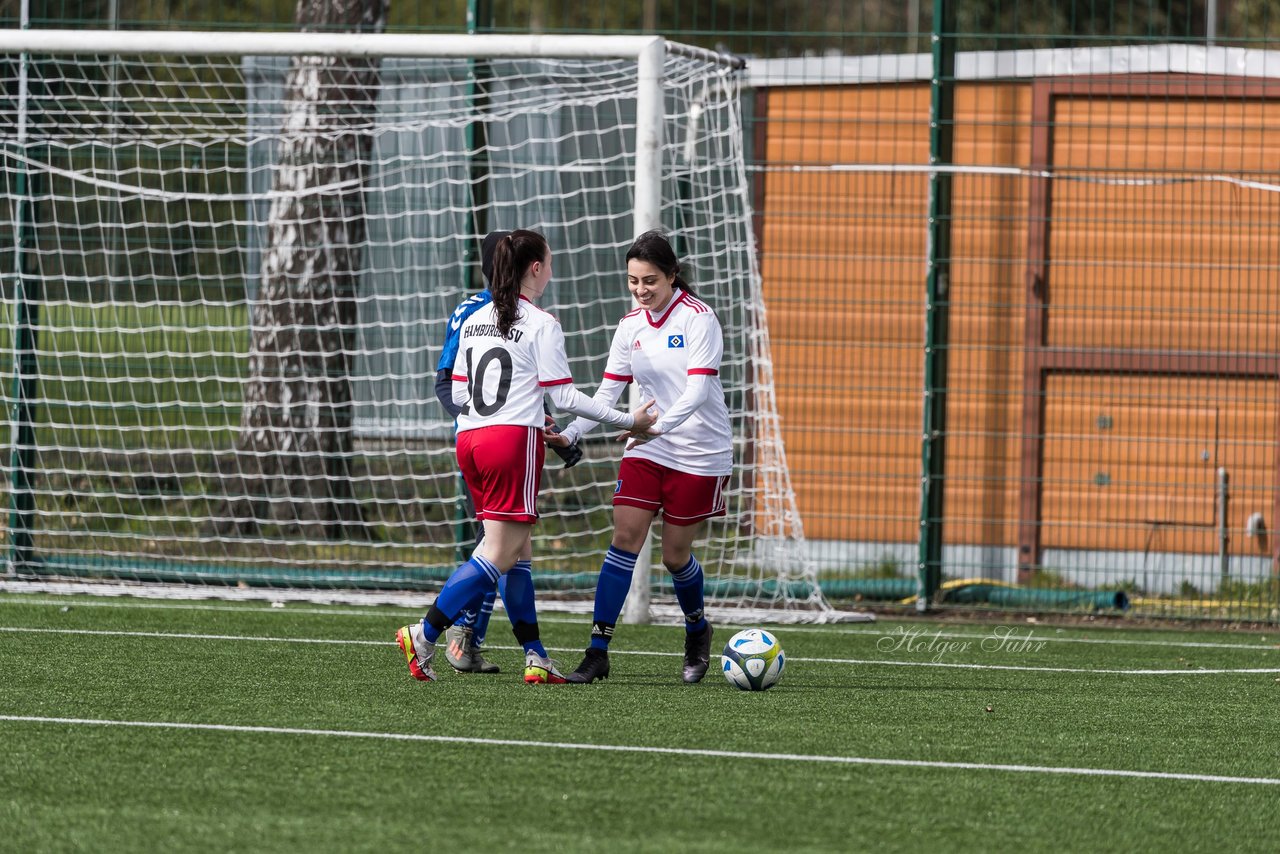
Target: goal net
x,y
233,259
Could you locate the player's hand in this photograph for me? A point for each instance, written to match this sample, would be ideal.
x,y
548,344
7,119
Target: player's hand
x,y
642,430
565,450
646,414
633,441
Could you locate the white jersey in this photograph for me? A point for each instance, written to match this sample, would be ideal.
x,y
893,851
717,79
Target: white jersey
x,y
506,378
660,353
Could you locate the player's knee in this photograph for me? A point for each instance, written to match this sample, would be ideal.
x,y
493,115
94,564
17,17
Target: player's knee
x,y
675,555
502,558
629,539
675,561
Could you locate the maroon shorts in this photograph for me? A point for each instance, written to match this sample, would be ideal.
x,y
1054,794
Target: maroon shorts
x,y
503,469
685,499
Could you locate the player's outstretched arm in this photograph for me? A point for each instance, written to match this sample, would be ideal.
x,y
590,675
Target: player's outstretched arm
x,y
609,393
569,399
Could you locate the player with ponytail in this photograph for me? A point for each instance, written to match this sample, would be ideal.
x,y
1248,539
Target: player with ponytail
x,y
510,355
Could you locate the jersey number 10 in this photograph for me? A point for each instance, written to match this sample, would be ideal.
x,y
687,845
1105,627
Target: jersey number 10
x,y
475,382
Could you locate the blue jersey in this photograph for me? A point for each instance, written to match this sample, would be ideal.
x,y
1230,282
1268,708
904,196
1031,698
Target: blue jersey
x,y
465,309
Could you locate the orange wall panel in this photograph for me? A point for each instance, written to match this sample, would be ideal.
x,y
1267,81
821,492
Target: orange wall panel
x,y
1176,265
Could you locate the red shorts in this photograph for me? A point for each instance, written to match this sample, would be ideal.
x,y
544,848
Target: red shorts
x,y
502,466
685,499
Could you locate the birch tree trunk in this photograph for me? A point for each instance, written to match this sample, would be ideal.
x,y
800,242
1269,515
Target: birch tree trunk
x,y
295,444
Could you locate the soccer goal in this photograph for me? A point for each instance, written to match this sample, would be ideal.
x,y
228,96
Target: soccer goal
x,y
229,262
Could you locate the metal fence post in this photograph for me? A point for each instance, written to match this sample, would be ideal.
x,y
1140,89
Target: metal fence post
x,y
937,301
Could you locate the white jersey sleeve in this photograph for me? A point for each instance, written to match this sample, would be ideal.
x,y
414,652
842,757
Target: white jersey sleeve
x,y
553,363
705,343
553,374
618,367
617,373
608,394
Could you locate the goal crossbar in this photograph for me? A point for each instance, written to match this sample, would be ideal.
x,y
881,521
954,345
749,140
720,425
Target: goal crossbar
x,y
366,45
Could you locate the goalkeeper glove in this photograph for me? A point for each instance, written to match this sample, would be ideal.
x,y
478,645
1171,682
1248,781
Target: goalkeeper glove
x,y
571,455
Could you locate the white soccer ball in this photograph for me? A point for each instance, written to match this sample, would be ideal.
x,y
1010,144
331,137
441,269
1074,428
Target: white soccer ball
x,y
753,660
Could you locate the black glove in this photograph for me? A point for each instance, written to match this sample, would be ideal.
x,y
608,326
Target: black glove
x,y
571,455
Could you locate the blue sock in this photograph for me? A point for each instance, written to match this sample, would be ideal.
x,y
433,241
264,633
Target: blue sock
x,y
478,611
611,594
688,584
469,581
471,614
474,616
480,626
521,609
485,611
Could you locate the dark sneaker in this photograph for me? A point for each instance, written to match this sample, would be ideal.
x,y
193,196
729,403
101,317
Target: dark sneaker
x,y
595,665
697,654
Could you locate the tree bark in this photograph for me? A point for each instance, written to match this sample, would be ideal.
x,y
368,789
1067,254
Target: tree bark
x,y
295,442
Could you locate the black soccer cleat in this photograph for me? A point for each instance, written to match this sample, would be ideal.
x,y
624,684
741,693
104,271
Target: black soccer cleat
x,y
697,655
595,665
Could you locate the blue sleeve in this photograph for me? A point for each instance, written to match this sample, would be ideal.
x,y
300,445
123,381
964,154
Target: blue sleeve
x,y
444,393
466,308
449,353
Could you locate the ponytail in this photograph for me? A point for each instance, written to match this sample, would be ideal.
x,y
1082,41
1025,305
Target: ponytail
x,y
512,257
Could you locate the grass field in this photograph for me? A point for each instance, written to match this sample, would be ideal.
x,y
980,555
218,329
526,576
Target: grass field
x,y
133,725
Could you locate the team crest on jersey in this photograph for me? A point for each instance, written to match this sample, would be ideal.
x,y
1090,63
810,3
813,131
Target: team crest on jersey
x,y
675,342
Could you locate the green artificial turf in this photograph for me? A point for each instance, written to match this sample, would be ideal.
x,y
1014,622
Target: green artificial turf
x,y
888,691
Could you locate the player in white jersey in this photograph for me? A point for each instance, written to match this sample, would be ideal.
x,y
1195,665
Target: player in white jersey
x,y
466,637
671,347
510,354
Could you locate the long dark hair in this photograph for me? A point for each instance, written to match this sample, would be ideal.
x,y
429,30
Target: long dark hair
x,y
652,246
511,259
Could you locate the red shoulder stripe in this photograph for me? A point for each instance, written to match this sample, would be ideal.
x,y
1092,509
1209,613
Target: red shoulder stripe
x,y
697,305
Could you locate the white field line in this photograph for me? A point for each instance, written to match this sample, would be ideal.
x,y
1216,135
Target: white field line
x,y
1188,671
894,630
871,662
413,601
668,751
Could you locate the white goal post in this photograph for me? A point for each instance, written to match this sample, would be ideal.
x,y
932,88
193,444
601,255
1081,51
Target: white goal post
x,y
230,259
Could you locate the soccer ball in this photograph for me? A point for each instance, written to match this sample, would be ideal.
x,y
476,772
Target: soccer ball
x,y
753,660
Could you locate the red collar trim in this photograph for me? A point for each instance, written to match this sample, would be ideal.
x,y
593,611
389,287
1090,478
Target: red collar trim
x,y
667,313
